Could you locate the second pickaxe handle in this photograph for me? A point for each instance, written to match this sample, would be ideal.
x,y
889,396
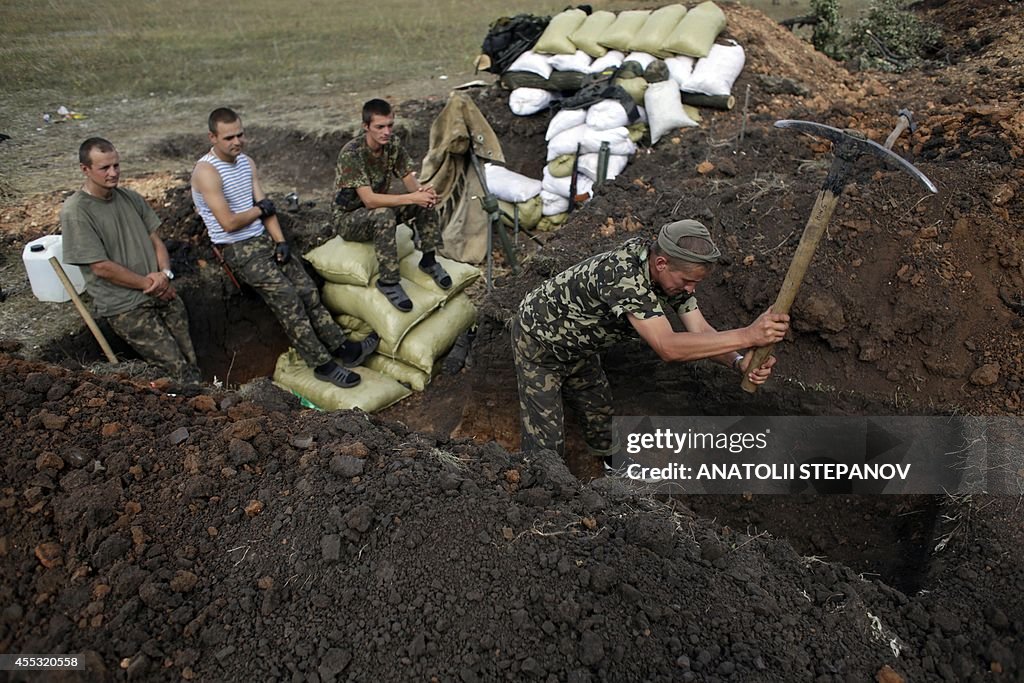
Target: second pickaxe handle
x,y
824,205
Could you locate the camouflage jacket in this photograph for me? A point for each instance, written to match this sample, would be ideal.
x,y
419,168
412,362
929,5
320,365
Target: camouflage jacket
x,y
358,167
583,309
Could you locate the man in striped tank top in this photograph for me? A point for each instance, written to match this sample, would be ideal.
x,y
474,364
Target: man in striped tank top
x,y
241,221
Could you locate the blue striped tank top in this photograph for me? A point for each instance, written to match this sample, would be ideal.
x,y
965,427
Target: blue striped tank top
x,y
236,182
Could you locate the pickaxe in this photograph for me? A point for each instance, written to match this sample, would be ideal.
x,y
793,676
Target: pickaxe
x,y
847,148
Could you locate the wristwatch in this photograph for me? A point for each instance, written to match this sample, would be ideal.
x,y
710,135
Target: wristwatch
x,y
169,273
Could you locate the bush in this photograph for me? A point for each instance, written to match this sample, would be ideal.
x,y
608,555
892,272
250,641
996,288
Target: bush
x,y
890,38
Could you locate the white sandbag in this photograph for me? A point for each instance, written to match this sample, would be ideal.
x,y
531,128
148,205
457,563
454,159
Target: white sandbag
x,y
607,114
370,304
566,141
432,338
374,392
665,109
529,101
611,60
564,120
508,185
657,28
354,263
715,74
589,32
680,70
617,139
553,204
643,114
641,58
578,61
533,63
560,186
555,39
462,274
588,165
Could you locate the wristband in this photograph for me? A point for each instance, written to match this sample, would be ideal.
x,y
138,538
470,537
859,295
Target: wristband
x,y
736,362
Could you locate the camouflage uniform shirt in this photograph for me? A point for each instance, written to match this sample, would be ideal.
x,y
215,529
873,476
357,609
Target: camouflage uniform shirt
x,y
358,167
583,309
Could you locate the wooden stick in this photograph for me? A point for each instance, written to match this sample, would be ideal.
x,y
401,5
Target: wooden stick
x,y
82,311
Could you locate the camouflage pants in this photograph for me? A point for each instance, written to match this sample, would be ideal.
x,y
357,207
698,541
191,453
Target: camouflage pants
x,y
291,295
158,331
544,381
378,225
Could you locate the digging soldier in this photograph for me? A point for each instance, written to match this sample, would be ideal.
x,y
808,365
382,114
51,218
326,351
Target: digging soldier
x,y
114,232
643,287
365,209
241,221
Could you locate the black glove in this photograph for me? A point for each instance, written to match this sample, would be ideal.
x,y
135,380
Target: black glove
x,y
266,207
282,252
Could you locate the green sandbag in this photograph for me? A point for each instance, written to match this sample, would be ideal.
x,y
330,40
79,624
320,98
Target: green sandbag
x,y
619,36
354,263
561,166
697,31
637,131
552,223
555,39
355,329
369,304
462,274
557,82
417,380
375,391
433,337
657,29
586,36
636,87
530,213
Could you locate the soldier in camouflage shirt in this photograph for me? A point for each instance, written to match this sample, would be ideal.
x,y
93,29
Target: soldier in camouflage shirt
x,y
644,288
365,210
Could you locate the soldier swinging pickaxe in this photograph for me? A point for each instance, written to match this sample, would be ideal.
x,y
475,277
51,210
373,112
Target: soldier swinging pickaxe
x,y
847,148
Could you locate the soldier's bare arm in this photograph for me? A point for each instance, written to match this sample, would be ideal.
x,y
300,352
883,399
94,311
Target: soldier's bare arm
x,y
207,182
687,346
271,223
424,197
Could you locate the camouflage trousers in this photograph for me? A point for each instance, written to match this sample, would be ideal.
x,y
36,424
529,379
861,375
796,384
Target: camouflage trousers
x,y
158,331
291,295
378,226
544,381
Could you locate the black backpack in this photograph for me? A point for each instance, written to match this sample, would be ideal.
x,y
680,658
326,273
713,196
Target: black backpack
x,y
509,37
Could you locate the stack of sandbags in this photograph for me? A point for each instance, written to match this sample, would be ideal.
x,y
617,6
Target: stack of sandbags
x,y
374,392
517,194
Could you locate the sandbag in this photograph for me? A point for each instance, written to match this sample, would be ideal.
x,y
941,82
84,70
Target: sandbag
x,y
369,304
405,374
564,120
612,60
586,36
560,186
607,114
462,274
657,29
355,329
552,223
637,131
644,59
616,164
551,205
619,36
509,185
617,139
354,263
555,39
636,87
530,213
531,62
561,166
529,101
665,109
697,31
679,70
566,141
375,391
715,74
433,337
578,61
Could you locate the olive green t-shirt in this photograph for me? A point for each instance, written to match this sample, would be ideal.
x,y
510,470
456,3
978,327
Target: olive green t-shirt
x,y
115,229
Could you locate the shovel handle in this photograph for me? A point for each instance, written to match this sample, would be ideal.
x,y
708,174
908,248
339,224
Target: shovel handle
x,y
101,339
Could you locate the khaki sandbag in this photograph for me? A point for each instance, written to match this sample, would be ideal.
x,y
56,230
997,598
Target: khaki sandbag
x,y
355,329
552,223
589,32
375,391
636,87
637,131
369,304
620,35
696,32
561,166
417,380
692,112
530,213
555,39
657,29
354,263
462,274
433,337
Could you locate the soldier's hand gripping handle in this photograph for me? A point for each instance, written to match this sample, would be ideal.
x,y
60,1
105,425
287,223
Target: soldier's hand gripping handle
x,y
282,252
